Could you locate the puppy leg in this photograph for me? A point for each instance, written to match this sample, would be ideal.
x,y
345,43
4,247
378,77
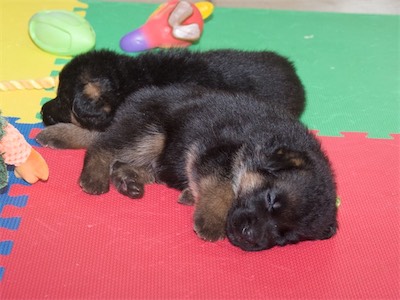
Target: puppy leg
x,y
130,181
186,197
214,201
95,176
66,136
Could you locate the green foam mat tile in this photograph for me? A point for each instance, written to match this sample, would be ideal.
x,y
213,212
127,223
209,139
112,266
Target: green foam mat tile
x,y
350,64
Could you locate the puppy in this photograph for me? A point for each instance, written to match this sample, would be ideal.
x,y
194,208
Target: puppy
x,y
94,85
253,172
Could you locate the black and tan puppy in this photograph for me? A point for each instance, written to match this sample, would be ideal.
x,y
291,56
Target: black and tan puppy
x,y
94,85
254,172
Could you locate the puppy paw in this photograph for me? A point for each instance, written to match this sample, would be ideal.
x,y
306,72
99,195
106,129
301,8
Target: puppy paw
x,y
94,185
130,181
65,136
127,184
209,230
329,232
51,137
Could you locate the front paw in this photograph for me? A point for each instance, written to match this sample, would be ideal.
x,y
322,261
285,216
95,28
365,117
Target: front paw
x,y
51,137
209,229
94,185
66,136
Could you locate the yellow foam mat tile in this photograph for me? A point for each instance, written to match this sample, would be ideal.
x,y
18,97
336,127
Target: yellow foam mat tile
x,y
21,59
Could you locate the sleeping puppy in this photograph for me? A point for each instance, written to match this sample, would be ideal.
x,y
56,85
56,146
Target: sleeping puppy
x,y
93,85
253,172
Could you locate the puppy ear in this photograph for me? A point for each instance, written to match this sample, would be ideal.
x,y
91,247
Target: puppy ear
x,y
286,159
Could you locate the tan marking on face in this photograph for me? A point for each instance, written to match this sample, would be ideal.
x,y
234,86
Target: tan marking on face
x,y
245,180
92,90
74,120
250,181
107,108
297,162
294,158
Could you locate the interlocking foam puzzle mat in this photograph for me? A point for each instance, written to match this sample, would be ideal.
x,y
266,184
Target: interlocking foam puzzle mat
x,y
56,242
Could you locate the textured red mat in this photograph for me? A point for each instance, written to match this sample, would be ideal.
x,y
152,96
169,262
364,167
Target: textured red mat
x,y
72,245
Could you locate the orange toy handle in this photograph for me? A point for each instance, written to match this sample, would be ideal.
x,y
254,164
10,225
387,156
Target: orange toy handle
x,y
35,168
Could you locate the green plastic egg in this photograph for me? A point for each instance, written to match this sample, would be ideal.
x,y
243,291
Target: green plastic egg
x,y
61,32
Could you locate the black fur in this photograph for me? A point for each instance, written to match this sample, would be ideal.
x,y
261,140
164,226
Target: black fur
x,y
254,172
94,85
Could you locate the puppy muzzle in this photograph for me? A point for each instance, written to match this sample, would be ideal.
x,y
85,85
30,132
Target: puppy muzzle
x,y
52,113
246,231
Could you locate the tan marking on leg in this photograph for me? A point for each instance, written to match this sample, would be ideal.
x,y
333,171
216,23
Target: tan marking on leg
x,y
95,175
191,157
215,199
144,153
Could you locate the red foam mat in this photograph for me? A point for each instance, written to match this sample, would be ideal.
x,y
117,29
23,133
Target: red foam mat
x,y
72,245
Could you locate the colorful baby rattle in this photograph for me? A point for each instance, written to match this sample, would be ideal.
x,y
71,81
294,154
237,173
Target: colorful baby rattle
x,y
174,24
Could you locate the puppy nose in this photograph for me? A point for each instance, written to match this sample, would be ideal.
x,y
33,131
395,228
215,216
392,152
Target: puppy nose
x,y
248,234
46,115
47,119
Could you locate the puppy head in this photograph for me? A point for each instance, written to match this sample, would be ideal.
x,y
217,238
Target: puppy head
x,y
88,92
287,199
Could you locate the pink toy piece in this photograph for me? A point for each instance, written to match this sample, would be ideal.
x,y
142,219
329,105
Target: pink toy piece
x,y
13,146
174,24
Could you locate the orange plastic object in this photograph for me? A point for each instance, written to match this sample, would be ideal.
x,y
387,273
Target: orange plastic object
x,y
29,164
33,169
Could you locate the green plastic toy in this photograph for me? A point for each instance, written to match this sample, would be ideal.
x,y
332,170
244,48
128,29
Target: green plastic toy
x,y
61,32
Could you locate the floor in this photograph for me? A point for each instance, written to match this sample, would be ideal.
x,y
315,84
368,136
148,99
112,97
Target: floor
x,y
389,7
